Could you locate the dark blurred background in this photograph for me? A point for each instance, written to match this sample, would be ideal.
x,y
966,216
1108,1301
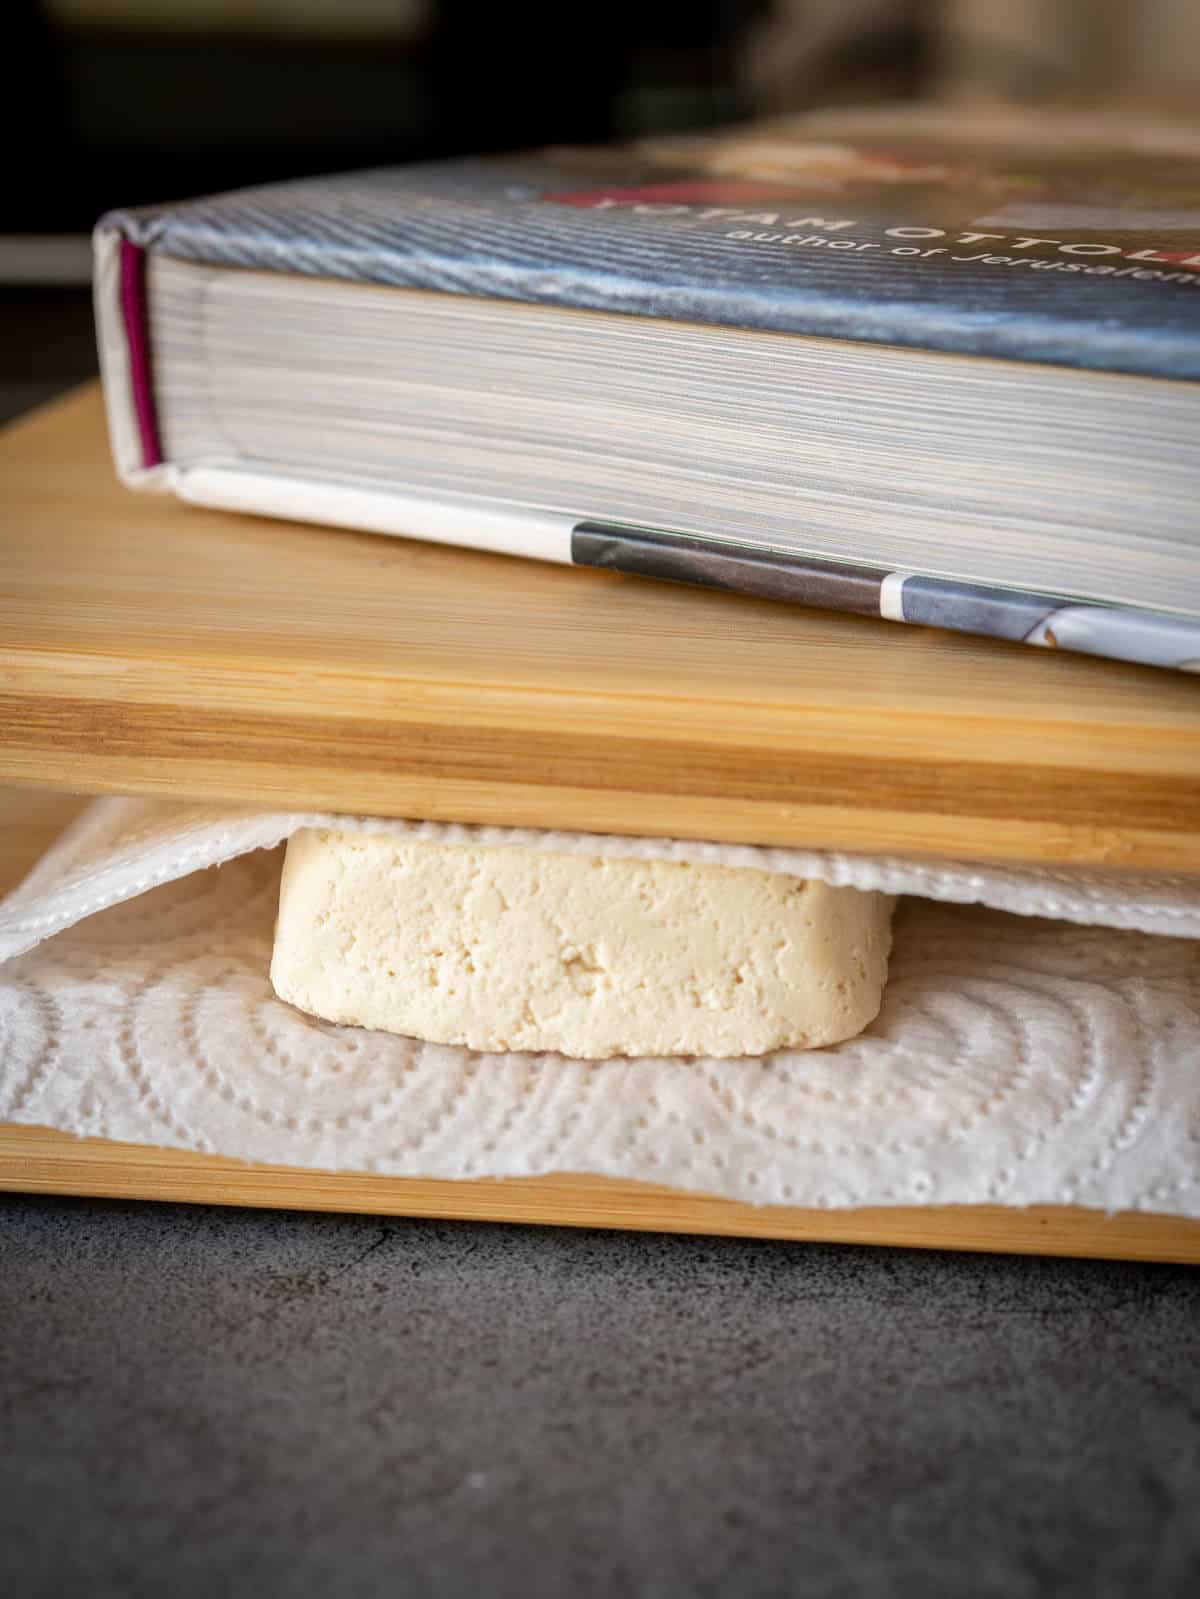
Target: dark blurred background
x,y
119,102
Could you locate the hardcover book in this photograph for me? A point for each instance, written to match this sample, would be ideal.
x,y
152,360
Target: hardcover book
x,y
946,380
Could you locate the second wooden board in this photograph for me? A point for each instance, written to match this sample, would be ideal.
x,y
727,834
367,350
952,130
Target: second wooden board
x,y
150,647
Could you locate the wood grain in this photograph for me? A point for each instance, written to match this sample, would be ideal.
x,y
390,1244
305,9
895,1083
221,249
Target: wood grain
x,y
37,1160
150,647
30,821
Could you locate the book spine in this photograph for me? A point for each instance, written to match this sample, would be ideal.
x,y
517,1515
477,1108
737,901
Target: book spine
x,y
1122,633
122,338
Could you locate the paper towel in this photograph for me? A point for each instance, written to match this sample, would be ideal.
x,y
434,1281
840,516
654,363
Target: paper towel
x,y
1017,1059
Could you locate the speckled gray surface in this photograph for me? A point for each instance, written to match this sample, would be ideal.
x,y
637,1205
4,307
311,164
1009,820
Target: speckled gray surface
x,y
206,1402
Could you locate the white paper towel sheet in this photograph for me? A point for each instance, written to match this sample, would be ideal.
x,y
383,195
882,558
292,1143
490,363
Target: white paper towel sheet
x,y
1017,1059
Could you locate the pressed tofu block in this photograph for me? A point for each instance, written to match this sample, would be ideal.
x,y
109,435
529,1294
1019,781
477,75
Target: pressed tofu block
x,y
590,956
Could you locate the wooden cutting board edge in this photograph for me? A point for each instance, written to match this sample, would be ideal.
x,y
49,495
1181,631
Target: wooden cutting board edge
x,y
39,1160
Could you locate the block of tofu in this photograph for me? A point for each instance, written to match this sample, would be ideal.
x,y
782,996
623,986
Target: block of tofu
x,y
514,949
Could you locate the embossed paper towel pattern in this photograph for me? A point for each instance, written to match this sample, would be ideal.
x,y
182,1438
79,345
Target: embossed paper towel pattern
x,y
1016,1059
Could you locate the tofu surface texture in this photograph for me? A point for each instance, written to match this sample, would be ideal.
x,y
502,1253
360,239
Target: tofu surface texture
x,y
502,949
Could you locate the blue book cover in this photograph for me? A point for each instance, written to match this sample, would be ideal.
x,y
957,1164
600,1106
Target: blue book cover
x,y
1082,258
1077,257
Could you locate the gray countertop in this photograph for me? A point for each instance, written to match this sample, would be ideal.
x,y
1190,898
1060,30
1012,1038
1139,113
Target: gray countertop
x,y
205,1402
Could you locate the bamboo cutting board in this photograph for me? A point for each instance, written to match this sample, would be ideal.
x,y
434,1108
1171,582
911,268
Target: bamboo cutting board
x,y
151,647
39,1161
